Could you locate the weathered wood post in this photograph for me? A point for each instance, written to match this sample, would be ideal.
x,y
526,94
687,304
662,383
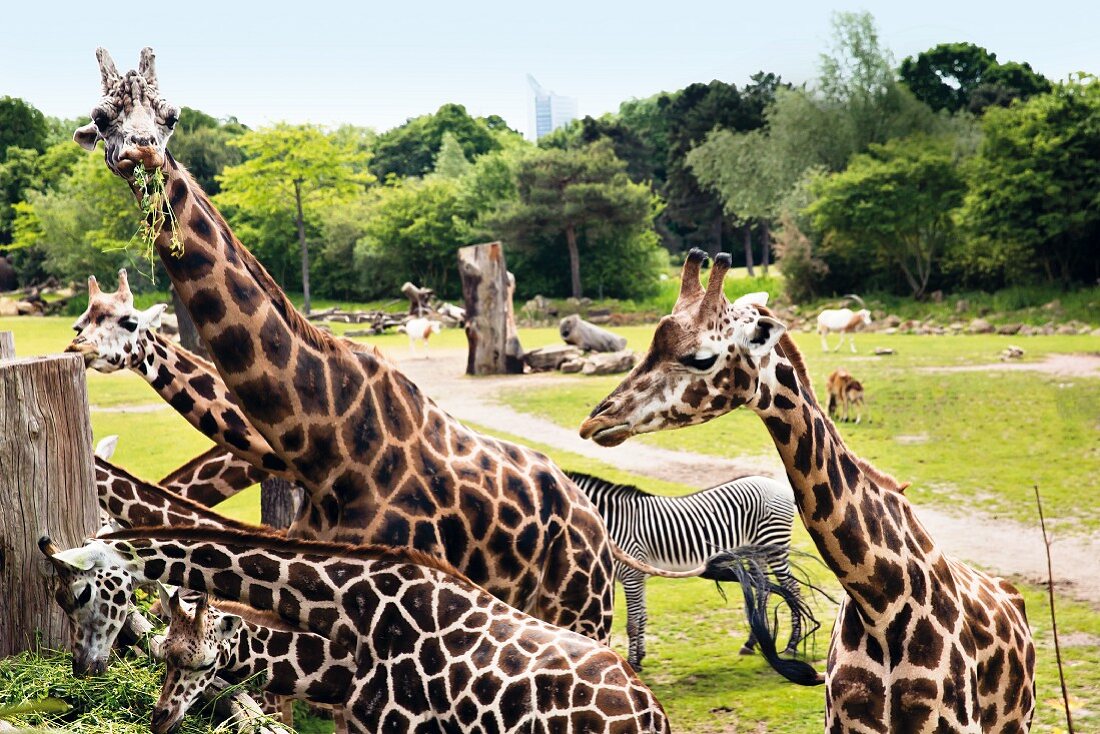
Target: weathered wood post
x,y
47,487
487,287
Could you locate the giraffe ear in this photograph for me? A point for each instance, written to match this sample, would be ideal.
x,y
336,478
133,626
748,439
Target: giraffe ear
x,y
150,317
105,449
763,334
165,598
753,299
228,626
86,137
82,558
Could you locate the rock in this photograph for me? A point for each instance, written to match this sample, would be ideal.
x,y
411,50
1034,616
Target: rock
x,y
609,363
1084,331
541,307
962,305
891,320
1066,329
8,307
599,316
1011,352
1046,329
1096,332
1009,328
550,358
980,326
937,296
1026,330
882,351
1053,305
956,326
25,308
890,330
573,366
589,337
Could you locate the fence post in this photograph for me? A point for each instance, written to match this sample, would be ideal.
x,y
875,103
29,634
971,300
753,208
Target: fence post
x,y
47,487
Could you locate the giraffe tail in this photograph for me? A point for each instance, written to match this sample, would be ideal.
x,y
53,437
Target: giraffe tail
x,y
747,567
649,570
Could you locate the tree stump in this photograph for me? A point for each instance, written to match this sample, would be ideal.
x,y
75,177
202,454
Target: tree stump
x,y
278,503
487,287
47,487
419,299
589,337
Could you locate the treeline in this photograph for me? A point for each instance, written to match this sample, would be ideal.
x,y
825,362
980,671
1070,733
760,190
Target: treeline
x,y
950,170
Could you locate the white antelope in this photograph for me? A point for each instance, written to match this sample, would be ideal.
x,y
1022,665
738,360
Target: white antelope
x,y
420,330
842,320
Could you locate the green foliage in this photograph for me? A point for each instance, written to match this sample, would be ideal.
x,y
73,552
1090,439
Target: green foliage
x,y
565,196
1033,206
892,206
803,269
22,125
451,162
411,149
203,143
964,76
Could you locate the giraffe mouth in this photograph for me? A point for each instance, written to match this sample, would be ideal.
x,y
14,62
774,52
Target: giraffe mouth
x,y
608,436
148,156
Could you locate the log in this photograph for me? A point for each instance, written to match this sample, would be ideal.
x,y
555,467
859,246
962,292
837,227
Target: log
x,y
589,337
551,357
47,487
278,502
419,299
487,287
609,363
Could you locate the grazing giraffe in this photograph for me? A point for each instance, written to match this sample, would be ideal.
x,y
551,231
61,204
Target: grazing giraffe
x,y
922,642
212,476
433,651
373,452
237,643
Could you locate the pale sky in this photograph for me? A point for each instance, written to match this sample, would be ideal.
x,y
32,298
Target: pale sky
x,y
379,63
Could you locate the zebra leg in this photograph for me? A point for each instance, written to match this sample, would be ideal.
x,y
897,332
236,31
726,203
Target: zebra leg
x,y
782,570
634,588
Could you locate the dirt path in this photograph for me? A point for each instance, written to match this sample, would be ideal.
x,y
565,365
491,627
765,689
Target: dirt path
x,y
1001,546
1064,365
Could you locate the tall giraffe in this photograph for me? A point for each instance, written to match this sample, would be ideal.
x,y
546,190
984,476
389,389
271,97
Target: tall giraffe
x,y
372,451
922,642
238,643
433,652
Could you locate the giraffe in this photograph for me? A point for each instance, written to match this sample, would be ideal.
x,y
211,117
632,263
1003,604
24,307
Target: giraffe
x,y
432,650
922,642
372,451
236,642
212,476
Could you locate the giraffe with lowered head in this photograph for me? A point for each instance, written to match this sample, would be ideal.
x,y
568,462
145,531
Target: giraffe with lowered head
x,y
372,451
922,642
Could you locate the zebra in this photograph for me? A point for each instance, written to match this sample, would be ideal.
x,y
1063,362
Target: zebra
x,y
679,533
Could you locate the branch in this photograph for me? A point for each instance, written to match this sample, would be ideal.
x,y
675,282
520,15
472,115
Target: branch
x,y
1053,619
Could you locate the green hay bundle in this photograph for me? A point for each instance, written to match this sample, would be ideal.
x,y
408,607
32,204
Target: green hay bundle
x,y
155,214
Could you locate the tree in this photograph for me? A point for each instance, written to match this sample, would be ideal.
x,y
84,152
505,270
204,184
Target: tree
x,y
291,168
571,194
451,162
965,76
1033,205
893,204
204,145
411,149
22,125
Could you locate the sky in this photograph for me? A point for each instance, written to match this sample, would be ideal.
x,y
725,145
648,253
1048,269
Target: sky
x,y
378,64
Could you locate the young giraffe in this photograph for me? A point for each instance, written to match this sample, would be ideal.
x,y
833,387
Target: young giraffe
x,y
236,642
372,451
432,650
212,476
922,642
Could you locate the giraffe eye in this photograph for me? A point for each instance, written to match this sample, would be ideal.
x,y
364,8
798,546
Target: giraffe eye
x,y
129,323
701,361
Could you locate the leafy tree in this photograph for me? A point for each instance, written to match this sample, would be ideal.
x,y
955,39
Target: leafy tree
x,y
411,149
894,205
22,125
964,76
1033,205
17,176
289,170
204,145
572,195
451,162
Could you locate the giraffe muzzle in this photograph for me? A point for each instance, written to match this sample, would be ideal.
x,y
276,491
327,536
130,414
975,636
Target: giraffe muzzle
x,y
603,434
165,721
84,349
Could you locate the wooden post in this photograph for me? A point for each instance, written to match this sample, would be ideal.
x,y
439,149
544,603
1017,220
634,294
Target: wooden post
x,y
277,502
47,487
487,287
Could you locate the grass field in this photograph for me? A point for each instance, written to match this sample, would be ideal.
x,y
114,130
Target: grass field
x,y
971,439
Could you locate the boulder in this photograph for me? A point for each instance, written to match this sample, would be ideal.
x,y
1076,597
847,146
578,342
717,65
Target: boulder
x,y
962,305
980,326
550,358
1066,330
9,307
589,337
1009,329
883,351
891,321
609,363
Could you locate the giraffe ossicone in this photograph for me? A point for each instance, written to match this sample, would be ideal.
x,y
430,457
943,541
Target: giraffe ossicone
x,y
922,642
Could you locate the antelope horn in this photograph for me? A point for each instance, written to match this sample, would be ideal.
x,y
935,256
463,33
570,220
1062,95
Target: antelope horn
x,y
723,261
107,70
690,288
93,286
124,286
147,65
856,298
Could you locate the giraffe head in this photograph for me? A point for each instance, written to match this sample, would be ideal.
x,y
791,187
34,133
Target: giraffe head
x,y
131,118
111,333
96,598
703,361
197,645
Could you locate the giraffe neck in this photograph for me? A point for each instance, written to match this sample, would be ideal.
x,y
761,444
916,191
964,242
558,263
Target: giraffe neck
x,y
327,410
134,503
212,476
295,664
863,527
194,388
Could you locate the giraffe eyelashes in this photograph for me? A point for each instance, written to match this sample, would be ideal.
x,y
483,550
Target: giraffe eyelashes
x,y
701,361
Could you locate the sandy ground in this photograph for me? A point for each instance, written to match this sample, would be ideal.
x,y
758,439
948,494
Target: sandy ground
x,y
1064,365
972,536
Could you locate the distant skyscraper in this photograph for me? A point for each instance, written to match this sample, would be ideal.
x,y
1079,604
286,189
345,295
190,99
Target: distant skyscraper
x,y
551,110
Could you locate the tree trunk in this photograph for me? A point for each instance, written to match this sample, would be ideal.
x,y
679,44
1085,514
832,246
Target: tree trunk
x,y
303,245
574,260
716,227
746,232
189,335
487,287
278,503
765,246
47,487
419,299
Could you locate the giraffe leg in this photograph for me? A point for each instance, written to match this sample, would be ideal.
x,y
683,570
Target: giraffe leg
x,y
634,588
286,711
339,720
